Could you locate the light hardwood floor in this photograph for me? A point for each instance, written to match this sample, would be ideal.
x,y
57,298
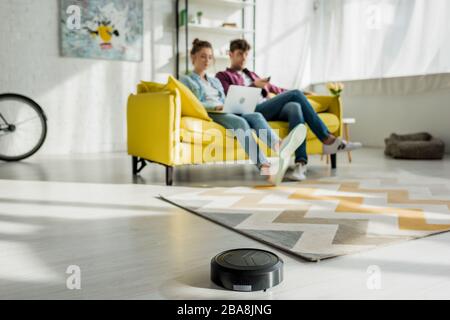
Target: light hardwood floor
x,y
88,211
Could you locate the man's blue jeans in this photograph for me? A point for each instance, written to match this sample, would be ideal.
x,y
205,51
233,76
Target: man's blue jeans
x,y
293,107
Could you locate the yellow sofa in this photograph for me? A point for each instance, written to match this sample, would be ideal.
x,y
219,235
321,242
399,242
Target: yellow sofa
x,y
160,132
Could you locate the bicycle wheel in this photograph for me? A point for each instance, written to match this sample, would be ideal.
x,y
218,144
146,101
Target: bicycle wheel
x,y
23,127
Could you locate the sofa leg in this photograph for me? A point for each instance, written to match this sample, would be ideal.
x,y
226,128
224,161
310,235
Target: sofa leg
x,y
138,165
135,166
169,175
333,161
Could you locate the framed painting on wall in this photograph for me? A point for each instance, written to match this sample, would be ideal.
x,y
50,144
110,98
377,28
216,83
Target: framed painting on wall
x,y
102,29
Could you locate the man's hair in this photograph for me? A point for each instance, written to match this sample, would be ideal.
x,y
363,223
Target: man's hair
x,y
240,44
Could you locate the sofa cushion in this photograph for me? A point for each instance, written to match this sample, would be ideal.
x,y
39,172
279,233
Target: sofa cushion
x,y
148,87
190,105
330,120
318,107
196,131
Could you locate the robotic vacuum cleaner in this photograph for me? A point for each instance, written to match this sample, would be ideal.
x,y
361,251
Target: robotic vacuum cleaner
x,y
247,270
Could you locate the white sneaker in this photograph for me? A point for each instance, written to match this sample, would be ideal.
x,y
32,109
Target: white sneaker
x,y
299,173
340,145
295,166
292,164
292,142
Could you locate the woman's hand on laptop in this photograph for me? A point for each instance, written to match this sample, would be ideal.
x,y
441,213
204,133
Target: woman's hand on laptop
x,y
219,108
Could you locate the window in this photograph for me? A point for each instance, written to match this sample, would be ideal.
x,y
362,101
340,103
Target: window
x,y
367,39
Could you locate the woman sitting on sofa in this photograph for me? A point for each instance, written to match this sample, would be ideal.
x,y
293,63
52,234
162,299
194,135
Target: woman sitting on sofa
x,y
210,92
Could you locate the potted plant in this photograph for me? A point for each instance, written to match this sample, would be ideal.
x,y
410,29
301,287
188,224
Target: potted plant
x,y
199,17
335,88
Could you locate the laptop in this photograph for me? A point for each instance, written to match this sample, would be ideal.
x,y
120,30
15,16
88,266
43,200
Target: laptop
x,y
241,100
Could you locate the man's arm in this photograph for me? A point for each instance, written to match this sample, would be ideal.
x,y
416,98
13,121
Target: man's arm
x,y
224,79
277,90
274,89
268,88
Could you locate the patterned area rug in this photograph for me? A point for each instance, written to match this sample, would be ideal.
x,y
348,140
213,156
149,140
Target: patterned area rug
x,y
328,217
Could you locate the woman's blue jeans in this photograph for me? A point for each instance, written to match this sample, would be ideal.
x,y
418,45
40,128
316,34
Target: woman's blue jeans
x,y
242,128
293,107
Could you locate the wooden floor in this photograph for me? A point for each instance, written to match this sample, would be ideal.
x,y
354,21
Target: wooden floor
x,y
89,212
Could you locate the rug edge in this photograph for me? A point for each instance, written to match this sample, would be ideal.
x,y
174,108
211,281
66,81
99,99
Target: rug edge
x,y
284,250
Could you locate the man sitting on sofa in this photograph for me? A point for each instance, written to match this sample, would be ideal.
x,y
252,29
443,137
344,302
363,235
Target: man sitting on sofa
x,y
279,104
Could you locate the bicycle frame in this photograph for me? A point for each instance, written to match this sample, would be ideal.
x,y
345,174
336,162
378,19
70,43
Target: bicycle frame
x,y
4,126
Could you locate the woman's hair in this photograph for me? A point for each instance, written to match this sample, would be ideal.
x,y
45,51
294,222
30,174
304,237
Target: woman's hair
x,y
240,44
198,45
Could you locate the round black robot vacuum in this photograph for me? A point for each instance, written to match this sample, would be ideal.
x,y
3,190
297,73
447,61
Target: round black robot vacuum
x,y
247,270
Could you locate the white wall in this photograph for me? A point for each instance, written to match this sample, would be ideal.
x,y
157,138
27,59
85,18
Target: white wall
x,y
398,105
85,100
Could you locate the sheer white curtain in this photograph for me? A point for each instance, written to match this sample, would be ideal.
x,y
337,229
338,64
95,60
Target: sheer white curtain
x,y
283,41
370,39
